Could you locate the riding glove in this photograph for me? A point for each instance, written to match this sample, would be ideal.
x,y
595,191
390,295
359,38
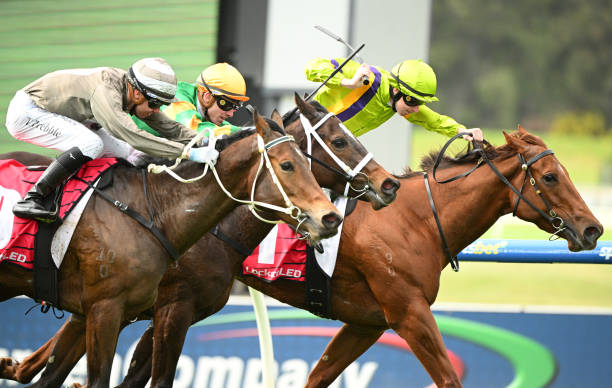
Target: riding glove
x,y
203,155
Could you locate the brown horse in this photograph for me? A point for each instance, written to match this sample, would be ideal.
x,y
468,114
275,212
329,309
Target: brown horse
x,y
388,273
381,188
389,262
184,212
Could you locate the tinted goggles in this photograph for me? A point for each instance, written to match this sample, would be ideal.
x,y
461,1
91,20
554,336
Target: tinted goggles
x,y
411,101
226,104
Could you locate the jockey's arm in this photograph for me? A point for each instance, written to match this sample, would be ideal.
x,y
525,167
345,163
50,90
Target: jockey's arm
x,y
445,125
108,112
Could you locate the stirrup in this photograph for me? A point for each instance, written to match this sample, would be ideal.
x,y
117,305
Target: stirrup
x,y
34,212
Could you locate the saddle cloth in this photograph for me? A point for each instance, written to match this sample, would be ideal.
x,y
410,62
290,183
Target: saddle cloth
x,y
282,255
17,235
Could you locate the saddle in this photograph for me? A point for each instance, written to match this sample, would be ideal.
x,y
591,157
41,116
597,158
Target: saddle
x,y
27,243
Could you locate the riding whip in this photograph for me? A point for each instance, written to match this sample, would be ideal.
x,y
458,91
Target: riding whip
x,y
327,32
292,111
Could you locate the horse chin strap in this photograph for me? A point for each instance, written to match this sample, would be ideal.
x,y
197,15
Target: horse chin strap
x,y
349,173
290,209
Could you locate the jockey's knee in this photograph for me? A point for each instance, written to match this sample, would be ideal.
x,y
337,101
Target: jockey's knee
x,y
90,145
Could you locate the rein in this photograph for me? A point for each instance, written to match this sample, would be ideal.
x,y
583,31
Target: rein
x,y
349,173
556,221
290,209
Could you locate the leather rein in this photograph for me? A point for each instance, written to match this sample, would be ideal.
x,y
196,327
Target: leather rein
x,y
557,222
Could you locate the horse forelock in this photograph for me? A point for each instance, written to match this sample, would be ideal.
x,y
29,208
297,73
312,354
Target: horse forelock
x,y
274,126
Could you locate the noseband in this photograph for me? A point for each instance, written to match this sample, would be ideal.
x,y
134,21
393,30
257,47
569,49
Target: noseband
x,y
349,173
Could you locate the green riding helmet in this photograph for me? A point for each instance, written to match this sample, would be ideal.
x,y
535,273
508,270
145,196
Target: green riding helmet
x,y
416,79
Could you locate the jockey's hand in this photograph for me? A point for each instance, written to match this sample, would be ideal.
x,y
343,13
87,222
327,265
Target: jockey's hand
x,y
474,134
203,155
357,80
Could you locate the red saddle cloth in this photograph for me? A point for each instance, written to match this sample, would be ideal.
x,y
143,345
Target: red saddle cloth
x,y
17,235
289,258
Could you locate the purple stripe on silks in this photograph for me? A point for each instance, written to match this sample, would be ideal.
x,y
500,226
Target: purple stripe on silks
x,y
365,98
336,64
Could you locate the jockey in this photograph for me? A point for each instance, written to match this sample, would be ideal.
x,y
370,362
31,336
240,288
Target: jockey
x,y
405,90
204,106
52,112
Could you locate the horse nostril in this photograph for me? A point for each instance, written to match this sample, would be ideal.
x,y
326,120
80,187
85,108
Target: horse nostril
x,y
331,220
390,186
592,233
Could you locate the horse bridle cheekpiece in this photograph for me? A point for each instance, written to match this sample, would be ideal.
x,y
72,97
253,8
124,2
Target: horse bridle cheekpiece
x,y
349,173
557,222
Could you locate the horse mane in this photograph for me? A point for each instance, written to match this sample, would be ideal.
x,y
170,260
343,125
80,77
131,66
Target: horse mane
x,y
468,156
294,114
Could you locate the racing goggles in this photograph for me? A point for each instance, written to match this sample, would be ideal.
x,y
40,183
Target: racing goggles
x,y
411,101
225,104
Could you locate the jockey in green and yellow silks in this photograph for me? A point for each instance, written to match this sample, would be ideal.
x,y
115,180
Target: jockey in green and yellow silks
x,y
204,106
405,90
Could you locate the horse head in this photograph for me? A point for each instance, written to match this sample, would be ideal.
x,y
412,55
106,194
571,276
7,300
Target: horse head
x,y
545,183
335,152
290,182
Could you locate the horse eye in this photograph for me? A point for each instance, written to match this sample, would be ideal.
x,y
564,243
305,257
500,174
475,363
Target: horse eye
x,y
339,142
287,166
550,178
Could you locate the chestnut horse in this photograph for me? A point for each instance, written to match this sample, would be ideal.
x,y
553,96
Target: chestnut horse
x,y
379,189
184,212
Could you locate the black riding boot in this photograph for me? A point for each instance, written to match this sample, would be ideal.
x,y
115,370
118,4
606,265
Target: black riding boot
x,y
31,206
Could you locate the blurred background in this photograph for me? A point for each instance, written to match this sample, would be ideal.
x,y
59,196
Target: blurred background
x,y
543,64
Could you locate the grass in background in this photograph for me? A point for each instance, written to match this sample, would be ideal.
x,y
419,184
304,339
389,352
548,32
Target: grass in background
x,y
531,284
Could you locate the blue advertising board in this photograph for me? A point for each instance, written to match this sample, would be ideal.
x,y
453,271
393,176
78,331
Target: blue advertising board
x,y
487,349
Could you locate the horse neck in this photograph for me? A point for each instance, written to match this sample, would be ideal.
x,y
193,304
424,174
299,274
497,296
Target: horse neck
x,y
469,206
245,228
185,211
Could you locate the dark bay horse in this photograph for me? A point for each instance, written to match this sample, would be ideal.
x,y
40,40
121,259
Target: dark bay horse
x,y
184,212
68,345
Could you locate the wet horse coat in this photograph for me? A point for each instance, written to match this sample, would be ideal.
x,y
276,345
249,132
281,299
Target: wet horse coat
x,y
68,343
137,261
389,263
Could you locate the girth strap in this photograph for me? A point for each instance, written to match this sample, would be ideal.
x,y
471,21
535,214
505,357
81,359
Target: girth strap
x,y
138,217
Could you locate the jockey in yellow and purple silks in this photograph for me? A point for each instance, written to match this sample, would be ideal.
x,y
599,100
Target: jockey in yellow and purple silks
x,y
405,90
204,106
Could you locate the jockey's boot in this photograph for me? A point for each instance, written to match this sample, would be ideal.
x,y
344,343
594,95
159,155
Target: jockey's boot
x,y
31,206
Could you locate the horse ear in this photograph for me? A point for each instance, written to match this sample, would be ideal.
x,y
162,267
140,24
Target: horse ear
x,y
277,118
260,124
521,130
513,141
305,108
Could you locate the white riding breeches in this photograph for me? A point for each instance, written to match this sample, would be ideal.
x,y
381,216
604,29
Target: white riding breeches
x,y
28,122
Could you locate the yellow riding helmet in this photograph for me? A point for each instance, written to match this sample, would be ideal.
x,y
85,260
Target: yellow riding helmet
x,y
223,79
415,78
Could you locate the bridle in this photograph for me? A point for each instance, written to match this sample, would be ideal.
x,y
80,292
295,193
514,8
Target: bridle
x,y
254,206
348,173
551,216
